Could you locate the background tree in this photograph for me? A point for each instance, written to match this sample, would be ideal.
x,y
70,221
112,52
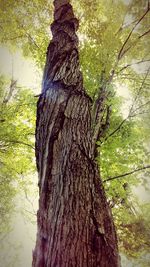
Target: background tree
x,y
16,144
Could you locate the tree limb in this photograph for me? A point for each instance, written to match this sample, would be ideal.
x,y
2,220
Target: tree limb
x,y
126,174
32,39
106,124
131,111
21,143
145,33
138,93
135,42
8,95
121,52
143,105
98,113
117,129
130,65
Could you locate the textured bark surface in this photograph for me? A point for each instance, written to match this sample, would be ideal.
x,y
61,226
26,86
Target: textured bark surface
x,y
75,226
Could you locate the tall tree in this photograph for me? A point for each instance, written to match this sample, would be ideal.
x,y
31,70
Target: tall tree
x,y
75,225
118,47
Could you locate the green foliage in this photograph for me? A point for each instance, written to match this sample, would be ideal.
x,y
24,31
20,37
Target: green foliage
x,y
25,26
17,123
133,230
123,151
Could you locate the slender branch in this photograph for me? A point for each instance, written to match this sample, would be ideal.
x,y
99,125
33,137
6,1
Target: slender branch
x,y
27,34
140,113
134,43
129,24
143,105
130,65
13,38
126,25
126,174
117,129
98,112
122,123
21,143
32,213
138,93
106,124
121,52
13,85
145,33
131,78
30,202
131,111
31,39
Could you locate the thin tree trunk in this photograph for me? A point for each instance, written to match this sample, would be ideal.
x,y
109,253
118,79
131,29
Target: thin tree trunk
x,y
75,225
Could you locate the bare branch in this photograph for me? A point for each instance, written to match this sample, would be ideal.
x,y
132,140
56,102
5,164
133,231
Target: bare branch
x,y
129,24
31,39
131,111
8,95
30,202
135,42
126,174
132,64
139,113
139,91
27,34
145,33
143,105
122,51
126,25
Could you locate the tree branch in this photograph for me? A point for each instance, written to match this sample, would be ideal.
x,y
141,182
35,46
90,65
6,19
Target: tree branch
x,y
117,129
121,52
145,33
135,42
13,85
143,105
106,124
126,174
13,38
138,93
131,111
31,39
130,65
98,113
21,143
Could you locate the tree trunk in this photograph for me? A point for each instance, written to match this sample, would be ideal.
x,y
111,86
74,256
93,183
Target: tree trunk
x,y
75,225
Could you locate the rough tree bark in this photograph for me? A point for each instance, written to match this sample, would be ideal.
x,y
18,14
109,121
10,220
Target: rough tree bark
x,y
75,225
